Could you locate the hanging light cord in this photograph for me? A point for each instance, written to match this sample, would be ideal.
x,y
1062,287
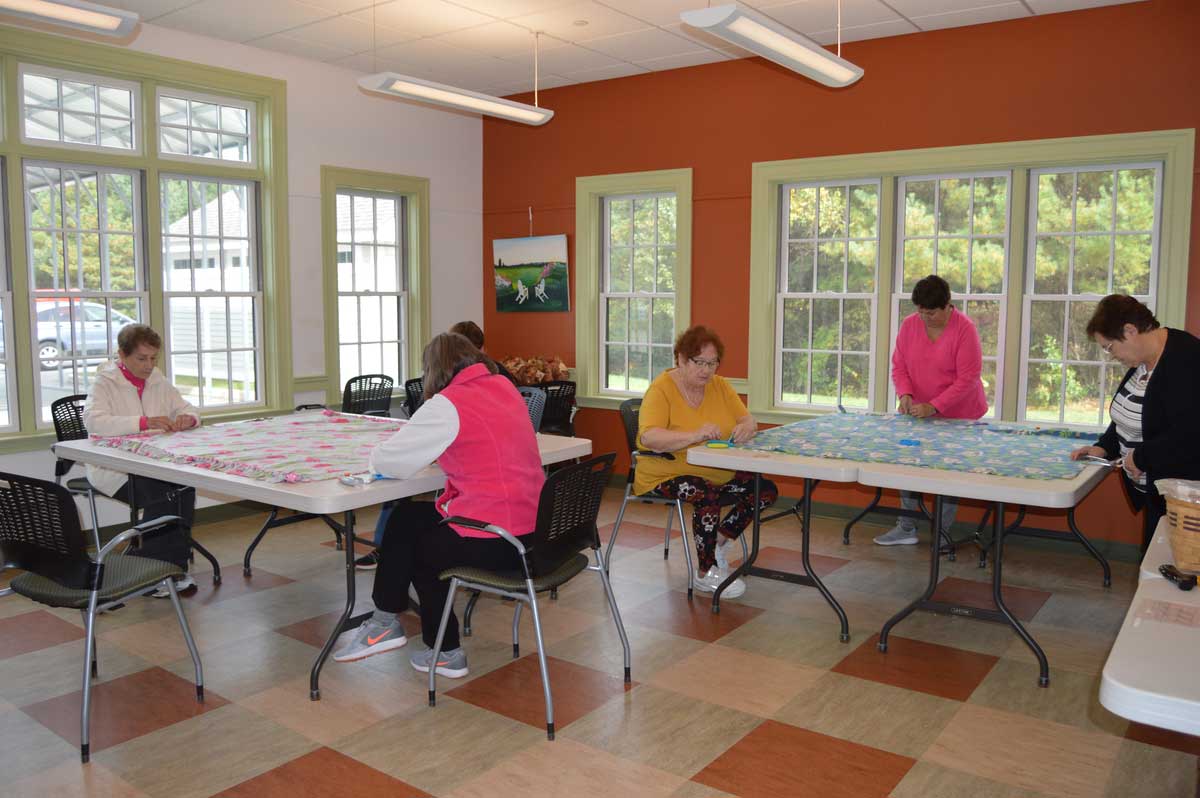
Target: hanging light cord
x,y
839,2
537,36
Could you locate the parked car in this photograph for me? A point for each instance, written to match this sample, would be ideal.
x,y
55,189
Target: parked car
x,y
91,332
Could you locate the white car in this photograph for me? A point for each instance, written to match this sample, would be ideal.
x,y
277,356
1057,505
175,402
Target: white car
x,y
91,334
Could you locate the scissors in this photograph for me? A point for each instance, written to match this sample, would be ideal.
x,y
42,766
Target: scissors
x,y
1094,460
721,444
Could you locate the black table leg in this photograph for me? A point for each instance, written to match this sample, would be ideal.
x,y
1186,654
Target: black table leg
x,y
744,568
805,534
1087,544
345,622
998,597
935,551
870,507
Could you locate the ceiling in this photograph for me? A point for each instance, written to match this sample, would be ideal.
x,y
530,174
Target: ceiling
x,y
487,45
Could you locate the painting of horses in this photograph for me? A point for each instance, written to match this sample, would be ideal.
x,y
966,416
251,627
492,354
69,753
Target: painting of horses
x,y
531,274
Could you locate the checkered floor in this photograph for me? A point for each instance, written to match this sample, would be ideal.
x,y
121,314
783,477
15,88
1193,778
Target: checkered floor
x,y
761,700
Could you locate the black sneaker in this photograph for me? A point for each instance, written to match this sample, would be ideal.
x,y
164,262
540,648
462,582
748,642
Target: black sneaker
x,y
368,562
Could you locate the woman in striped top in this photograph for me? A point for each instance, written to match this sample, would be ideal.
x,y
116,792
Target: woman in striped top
x,y
1155,428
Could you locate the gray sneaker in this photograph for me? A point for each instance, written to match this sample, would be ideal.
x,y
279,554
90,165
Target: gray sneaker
x,y
452,664
372,638
898,536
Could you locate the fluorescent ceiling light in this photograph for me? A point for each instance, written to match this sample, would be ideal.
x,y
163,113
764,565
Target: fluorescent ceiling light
x,y
453,97
771,40
78,14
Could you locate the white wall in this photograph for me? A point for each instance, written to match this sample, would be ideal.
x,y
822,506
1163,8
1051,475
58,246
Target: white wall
x,y
332,122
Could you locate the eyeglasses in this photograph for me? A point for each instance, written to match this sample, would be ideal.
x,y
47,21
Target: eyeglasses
x,y
705,364
1107,348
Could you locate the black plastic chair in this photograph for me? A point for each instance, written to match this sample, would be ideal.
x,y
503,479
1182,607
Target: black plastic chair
x,y
414,395
559,416
535,403
41,535
67,414
551,555
368,395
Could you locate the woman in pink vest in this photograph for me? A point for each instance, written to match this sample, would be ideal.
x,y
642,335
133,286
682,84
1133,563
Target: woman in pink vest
x,y
475,426
935,368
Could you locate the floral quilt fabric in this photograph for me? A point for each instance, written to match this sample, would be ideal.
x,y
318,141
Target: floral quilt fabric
x,y
979,447
306,447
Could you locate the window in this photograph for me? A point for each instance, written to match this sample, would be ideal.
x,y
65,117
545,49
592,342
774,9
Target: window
x,y
1093,231
212,313
85,270
637,294
372,292
825,299
7,371
77,110
956,226
195,126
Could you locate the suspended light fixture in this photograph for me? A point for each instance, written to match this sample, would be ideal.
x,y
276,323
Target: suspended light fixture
x,y
78,14
397,85
779,43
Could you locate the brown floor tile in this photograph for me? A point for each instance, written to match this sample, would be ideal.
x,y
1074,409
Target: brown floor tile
x,y
673,613
322,773
32,631
637,535
913,665
1163,738
1024,752
791,561
125,708
233,584
1023,602
315,631
515,691
777,759
736,679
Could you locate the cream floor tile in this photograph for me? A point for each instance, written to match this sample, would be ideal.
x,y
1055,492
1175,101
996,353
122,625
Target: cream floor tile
x,y
1078,650
800,641
483,656
53,671
902,721
1032,754
673,732
493,621
927,780
965,633
73,780
888,579
161,641
737,679
1089,611
29,748
692,789
566,767
599,647
1071,698
580,595
286,604
245,667
1149,770
205,754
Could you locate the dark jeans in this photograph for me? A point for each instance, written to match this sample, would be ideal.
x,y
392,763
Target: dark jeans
x,y
416,548
707,500
155,499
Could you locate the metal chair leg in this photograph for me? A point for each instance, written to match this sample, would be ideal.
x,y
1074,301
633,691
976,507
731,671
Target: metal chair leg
x,y
616,613
437,644
89,648
517,630
667,536
688,542
91,494
537,631
95,669
187,638
470,608
612,537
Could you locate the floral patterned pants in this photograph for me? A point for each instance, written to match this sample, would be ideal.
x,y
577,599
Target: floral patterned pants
x,y
707,500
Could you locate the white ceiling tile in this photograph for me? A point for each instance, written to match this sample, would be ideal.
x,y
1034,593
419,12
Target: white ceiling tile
x,y
608,73
550,81
348,33
657,12
860,33
433,53
342,6
973,16
239,20
1055,6
499,39
925,8
149,9
705,56
560,21
285,44
421,17
644,44
506,9
808,17
707,39
567,58
362,62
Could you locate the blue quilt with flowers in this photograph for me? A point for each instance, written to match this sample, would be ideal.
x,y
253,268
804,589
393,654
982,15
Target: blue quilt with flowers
x,y
978,447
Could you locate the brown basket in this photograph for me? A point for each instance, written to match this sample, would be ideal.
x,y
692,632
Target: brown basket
x,y
1183,518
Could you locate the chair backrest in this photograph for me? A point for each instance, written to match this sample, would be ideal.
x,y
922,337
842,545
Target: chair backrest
x,y
567,510
67,413
40,532
368,394
560,401
535,402
630,410
414,394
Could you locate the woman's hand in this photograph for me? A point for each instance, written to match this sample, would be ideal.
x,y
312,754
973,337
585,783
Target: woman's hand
x,y
159,422
708,432
182,422
745,429
905,406
1088,451
923,410
1130,467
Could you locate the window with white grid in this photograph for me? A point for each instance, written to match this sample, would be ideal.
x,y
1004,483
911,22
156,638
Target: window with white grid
x,y
8,405
211,289
371,284
957,227
86,276
75,110
637,292
825,293
202,127
1093,231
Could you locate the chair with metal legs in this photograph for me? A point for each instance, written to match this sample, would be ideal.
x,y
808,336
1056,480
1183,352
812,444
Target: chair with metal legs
x,y
67,414
550,556
535,403
41,535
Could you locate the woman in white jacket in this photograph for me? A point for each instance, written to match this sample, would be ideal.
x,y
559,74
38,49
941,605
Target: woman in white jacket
x,y
130,395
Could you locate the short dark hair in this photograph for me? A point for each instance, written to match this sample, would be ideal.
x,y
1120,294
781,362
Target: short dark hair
x,y
1114,312
132,336
445,356
931,293
696,338
469,330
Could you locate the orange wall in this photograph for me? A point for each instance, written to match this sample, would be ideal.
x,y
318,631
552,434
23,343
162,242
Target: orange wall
x,y
1116,69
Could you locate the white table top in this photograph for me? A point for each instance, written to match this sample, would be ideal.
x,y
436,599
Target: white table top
x,y
323,498
786,465
1158,553
1059,493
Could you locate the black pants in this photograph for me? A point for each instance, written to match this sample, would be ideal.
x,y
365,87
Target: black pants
x,y
155,498
416,548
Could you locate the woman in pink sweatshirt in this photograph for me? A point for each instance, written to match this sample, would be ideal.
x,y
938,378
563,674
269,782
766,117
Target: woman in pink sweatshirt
x,y
935,368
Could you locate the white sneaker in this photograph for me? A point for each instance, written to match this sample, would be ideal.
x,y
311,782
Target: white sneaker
x,y
721,552
713,579
898,536
182,585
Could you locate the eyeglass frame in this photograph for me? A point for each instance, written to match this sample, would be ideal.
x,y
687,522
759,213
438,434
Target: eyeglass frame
x,y
706,364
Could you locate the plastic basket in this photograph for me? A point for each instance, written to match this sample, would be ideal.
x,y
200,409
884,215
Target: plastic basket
x,y
1183,519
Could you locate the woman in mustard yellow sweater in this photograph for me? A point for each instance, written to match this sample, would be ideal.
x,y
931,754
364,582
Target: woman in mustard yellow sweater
x,y
684,407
